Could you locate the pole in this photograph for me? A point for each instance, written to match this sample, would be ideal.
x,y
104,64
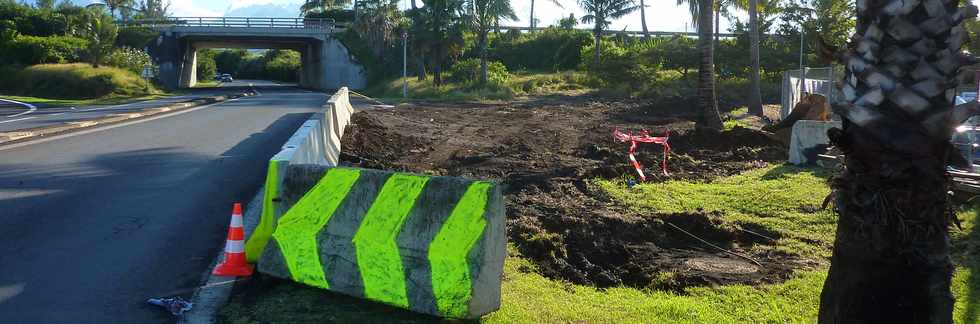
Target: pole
x,y
404,64
802,69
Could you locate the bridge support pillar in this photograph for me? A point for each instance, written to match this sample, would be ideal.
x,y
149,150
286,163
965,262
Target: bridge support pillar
x,y
188,74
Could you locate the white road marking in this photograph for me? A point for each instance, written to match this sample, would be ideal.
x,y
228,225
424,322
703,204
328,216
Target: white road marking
x,y
58,114
13,120
31,108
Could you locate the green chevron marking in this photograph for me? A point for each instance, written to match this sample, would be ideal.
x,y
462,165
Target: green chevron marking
x,y
267,222
298,228
448,251
378,258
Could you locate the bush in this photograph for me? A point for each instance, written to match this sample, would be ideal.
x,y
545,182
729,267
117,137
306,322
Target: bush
x,y
550,49
633,67
73,81
206,67
135,37
283,66
129,59
30,50
468,72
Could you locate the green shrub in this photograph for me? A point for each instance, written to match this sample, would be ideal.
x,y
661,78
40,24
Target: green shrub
x,y
550,49
73,81
467,72
30,50
283,66
135,37
630,67
206,67
129,59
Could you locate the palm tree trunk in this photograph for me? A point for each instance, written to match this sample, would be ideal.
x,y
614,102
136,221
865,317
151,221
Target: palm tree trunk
x,y
421,66
531,22
414,6
891,259
598,47
717,26
755,95
707,101
643,20
482,42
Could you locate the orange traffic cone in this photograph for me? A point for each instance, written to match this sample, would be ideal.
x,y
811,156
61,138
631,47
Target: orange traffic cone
x,y
234,263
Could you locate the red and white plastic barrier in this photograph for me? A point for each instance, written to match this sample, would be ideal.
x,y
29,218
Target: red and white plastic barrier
x,y
644,137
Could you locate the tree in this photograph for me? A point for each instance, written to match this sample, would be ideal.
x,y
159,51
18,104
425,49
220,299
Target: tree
x,y
532,23
643,20
44,4
100,31
440,33
317,6
755,91
707,98
377,23
891,260
154,9
112,5
600,14
486,14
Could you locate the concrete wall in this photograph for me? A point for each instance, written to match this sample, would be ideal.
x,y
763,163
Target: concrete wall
x,y
809,139
326,63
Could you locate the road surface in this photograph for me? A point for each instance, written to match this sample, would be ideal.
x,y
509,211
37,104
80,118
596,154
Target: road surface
x,y
15,117
93,225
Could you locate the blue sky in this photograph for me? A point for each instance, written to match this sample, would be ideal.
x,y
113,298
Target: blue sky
x,y
662,15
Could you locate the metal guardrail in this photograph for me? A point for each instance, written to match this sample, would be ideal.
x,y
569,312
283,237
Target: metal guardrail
x,y
236,22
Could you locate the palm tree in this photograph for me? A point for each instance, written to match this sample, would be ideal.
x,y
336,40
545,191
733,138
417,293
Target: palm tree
x,y
755,93
377,23
532,24
707,98
601,13
441,32
487,13
100,31
643,20
891,260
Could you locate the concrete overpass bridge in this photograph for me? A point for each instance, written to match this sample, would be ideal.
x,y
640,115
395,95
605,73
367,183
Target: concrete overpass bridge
x,y
326,63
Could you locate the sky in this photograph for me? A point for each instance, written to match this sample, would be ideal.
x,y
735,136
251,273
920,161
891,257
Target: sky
x,y
662,15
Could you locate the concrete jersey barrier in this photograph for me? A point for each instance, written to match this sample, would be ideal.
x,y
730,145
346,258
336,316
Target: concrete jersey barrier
x,y
316,142
434,245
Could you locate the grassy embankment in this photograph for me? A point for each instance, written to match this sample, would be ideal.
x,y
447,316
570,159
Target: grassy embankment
x,y
73,85
517,85
781,199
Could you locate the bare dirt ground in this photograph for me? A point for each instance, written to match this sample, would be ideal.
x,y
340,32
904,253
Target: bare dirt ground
x,y
545,151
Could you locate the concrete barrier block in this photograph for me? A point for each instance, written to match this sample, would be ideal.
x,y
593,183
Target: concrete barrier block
x,y
434,245
808,139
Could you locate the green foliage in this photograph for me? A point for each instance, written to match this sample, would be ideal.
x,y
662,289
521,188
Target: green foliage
x,y
32,21
30,50
73,81
230,61
206,67
549,49
634,66
283,65
129,58
339,15
101,32
135,37
467,72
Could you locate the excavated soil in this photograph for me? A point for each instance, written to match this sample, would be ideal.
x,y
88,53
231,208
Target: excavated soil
x,y
545,151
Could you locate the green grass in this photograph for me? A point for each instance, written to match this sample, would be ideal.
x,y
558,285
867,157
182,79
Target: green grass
x,y
781,199
73,81
771,197
519,84
48,102
206,84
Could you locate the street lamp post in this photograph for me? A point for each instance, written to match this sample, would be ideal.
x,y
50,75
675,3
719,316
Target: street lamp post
x,y
404,64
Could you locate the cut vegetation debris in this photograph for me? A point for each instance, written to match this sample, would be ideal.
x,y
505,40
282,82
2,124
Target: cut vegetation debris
x,y
732,236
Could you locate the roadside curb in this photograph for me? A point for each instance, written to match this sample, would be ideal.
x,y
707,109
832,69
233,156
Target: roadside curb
x,y
216,290
32,133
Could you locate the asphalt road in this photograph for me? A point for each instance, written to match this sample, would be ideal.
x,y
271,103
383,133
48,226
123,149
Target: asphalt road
x,y
15,117
93,225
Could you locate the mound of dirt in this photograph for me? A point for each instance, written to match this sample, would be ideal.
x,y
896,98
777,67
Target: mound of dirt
x,y
545,152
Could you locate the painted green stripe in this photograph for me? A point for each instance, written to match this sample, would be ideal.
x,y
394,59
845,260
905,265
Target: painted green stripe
x,y
378,258
447,253
298,228
267,222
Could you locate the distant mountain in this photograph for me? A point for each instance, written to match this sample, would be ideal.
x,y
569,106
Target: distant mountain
x,y
289,10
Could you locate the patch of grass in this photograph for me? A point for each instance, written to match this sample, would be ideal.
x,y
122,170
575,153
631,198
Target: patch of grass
x,y
782,199
518,84
206,84
49,103
74,81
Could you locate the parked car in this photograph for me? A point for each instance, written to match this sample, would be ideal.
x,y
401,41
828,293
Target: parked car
x,y
226,78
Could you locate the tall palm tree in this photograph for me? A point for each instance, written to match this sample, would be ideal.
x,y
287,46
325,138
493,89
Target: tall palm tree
x,y
600,14
100,31
891,260
755,93
532,23
643,20
487,13
377,23
707,98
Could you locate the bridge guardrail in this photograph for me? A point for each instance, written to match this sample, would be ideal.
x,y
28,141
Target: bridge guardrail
x,y
239,22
